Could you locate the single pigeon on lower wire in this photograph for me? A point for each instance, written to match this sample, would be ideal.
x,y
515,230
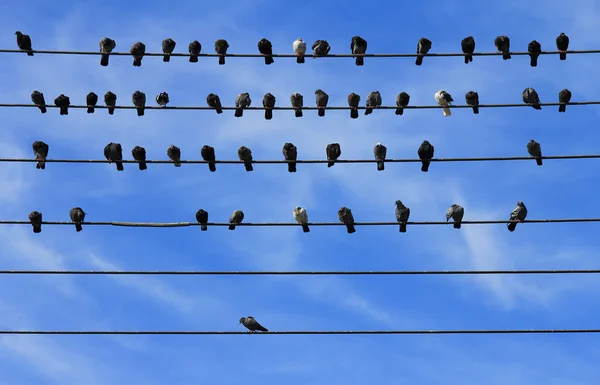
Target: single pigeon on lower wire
x,y
221,47
518,214
322,99
194,49
168,46
214,101
268,103
320,48
63,102
402,101
444,99
373,101
353,101
456,212
38,99
564,96
290,153
91,100
472,99
137,50
297,101
358,47
333,151
534,49
110,100
468,47
139,154
162,99
423,47
35,218
139,100
380,152
113,152
235,219
106,47
266,48
345,216
245,155
562,44
251,324
535,150
402,215
299,47
242,101
77,216
502,44
301,217
425,153
40,151
530,96
202,218
208,154
24,43
174,153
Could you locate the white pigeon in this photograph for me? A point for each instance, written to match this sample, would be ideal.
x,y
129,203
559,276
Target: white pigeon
x,y
301,217
444,99
299,46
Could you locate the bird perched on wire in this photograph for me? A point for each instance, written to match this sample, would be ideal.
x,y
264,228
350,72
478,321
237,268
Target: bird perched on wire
x,y
113,152
137,51
35,218
242,101
40,151
268,103
423,47
456,212
77,216
373,101
320,48
24,43
214,101
380,152
322,99
402,101
333,151
444,99
208,154
534,48
535,150
518,214
301,216
290,153
502,44
110,100
168,46
530,96
266,48
353,101
251,324
358,47
297,101
139,100
562,44
564,96
139,154
194,49
106,47
162,99
90,101
345,216
472,99
221,47
202,218
245,155
63,102
235,219
174,153
425,153
38,99
402,215
299,47
468,47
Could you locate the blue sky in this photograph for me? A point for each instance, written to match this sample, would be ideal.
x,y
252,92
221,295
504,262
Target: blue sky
x,y
164,193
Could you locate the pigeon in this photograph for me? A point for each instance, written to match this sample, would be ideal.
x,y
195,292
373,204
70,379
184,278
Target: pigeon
x,y
106,46
35,218
562,43
353,101
208,154
402,215
373,101
245,155
402,101
251,324
530,96
322,100
168,46
174,153
139,154
534,49
235,219
472,98
502,44
333,151
301,217
24,43
221,47
268,102
137,51
114,153
290,153
320,48
38,99
299,47
110,100
139,100
194,49
77,216
242,101
518,214
358,46
297,101
63,102
425,153
266,48
423,47
456,212
535,150
91,100
162,99
345,216
40,151
564,96
214,101
380,152
444,99
468,47
202,218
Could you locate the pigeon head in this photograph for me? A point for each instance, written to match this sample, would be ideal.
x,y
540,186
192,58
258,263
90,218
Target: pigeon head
x,y
298,208
242,320
378,144
520,203
426,143
399,202
18,33
318,91
299,39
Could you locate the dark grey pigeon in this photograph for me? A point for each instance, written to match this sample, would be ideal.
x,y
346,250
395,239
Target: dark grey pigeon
x,y
564,96
162,99
242,101
113,152
297,101
268,103
402,101
402,215
106,47
174,153
530,96
24,43
202,218
40,151
208,154
380,152
373,101
245,155
320,48
91,100
535,150
502,44
456,212
353,101
468,47
425,153
194,49
534,49
562,43
518,214
472,98
266,48
137,51
110,100
221,47
290,153
333,151
77,216
345,216
235,219
423,47
322,100
358,47
35,218
139,100
63,102
168,46
38,99
214,101
139,154
251,324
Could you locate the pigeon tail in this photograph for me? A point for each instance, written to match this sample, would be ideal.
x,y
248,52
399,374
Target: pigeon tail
x,y
212,166
368,111
506,55
43,109
305,228
419,60
402,227
90,110
111,110
300,59
239,112
137,62
231,227
166,58
41,165
562,108
64,111
203,227
468,58
248,166
268,114
536,106
219,110
511,226
78,227
399,111
380,165
330,164
29,53
350,229
475,109
221,60
140,112
142,166
292,167
37,229
563,56
354,113
360,61
446,111
533,61
269,60
321,112
538,160
119,166
193,58
425,166
457,225
177,163
298,113
104,60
